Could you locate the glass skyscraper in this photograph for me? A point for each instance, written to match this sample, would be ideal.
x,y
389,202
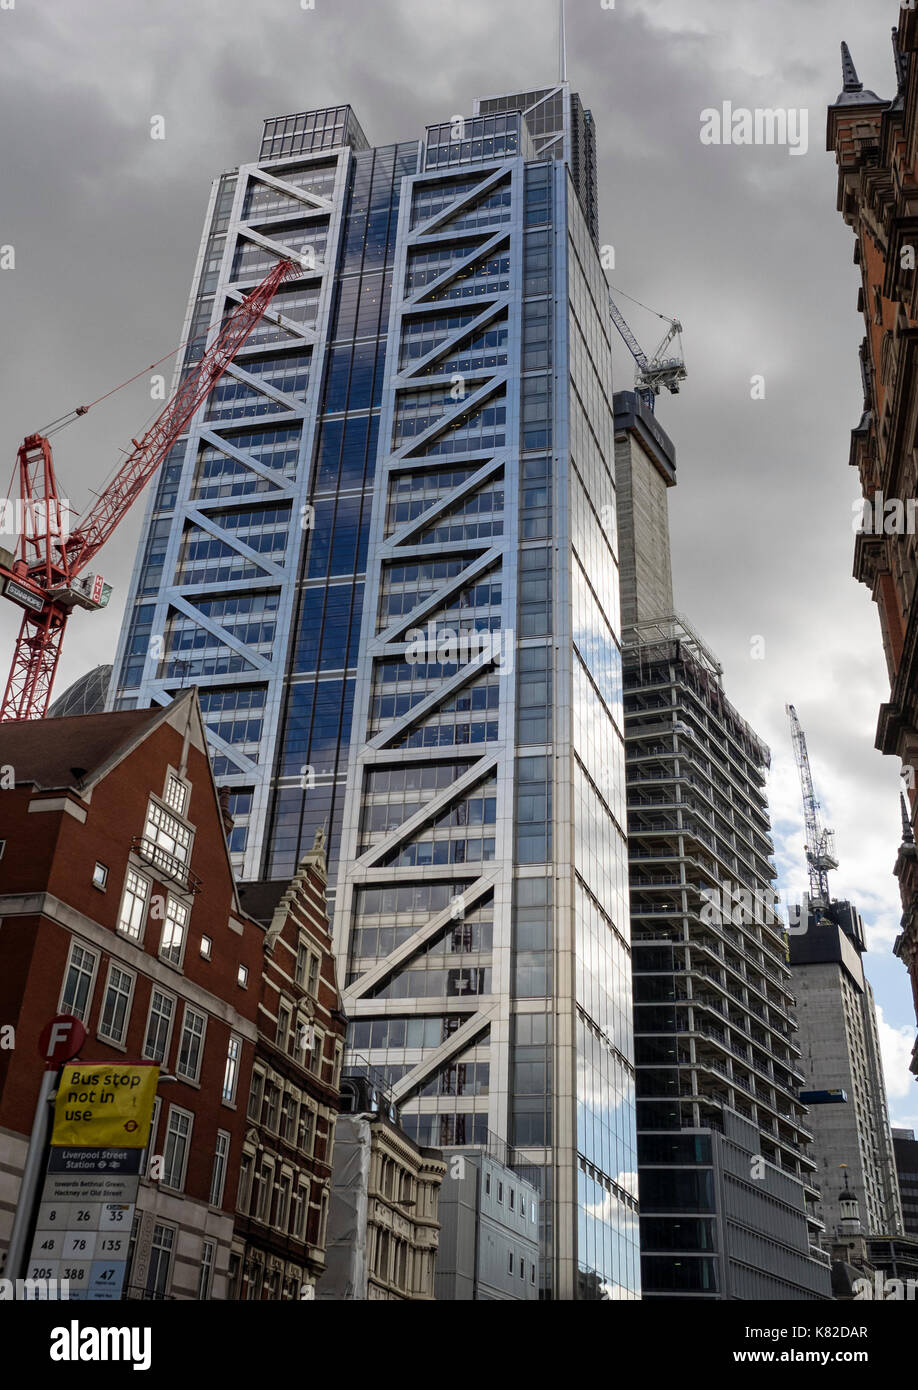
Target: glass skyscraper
x,y
386,554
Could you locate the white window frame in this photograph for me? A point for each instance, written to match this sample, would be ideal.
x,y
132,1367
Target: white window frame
x,y
128,931
174,779
147,1055
289,1106
168,953
283,1007
151,1142
169,1252
220,1167
237,1061
264,1179
303,1035
273,1088
308,1107
256,1095
300,1225
314,974
63,1008
100,1030
242,976
246,1181
162,835
317,1052
323,1217
206,1270
207,947
183,1114
284,1178
309,976
104,876
194,1076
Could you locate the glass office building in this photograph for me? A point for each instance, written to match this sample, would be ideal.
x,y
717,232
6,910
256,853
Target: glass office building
x,y
386,554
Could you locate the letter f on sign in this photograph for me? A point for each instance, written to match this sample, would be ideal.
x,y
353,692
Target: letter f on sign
x,y
60,1032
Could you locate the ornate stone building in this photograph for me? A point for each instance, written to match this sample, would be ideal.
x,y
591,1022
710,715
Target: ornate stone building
x,y
875,142
384,1228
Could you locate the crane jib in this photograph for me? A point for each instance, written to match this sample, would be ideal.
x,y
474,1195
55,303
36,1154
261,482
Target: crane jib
x,y
55,574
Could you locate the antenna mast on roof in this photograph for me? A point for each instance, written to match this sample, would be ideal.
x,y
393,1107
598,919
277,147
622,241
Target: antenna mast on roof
x,y
562,57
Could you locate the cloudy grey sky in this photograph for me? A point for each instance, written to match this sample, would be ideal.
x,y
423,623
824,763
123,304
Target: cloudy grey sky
x,y
742,243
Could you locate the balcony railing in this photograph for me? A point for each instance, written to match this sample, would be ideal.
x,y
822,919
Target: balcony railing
x,y
172,869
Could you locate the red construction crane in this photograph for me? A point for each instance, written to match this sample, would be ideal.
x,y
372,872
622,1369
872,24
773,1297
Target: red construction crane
x,y
44,578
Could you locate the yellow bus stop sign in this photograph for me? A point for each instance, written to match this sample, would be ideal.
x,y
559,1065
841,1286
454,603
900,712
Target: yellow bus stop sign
x,y
104,1106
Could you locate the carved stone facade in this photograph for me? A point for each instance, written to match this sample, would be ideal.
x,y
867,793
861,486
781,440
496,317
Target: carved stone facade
x,y
384,1227
875,142
402,1216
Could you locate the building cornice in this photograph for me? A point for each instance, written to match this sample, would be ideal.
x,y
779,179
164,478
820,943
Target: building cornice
x,y
46,905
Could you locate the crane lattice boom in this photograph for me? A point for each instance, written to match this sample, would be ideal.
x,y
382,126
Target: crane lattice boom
x,y
820,843
45,577
650,375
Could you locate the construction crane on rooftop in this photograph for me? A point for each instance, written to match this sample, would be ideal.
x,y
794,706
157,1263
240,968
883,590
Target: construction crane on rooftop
x,y
46,576
652,374
820,843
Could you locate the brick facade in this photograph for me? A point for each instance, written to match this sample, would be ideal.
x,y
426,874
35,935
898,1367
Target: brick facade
x,y
875,142
293,1101
118,904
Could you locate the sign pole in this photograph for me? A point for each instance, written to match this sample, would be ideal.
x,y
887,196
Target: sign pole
x,y
60,1039
81,1235
31,1177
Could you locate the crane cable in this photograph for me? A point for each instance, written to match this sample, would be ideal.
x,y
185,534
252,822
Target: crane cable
x,y
631,297
63,421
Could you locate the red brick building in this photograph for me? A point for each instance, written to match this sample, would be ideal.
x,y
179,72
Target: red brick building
x,y
118,904
293,1100
875,142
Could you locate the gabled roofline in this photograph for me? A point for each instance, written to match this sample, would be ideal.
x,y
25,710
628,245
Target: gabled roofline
x,y
165,713
135,740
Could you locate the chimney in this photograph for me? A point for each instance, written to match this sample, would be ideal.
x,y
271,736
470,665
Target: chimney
x,y
228,822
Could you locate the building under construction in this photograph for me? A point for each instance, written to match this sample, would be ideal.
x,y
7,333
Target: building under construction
x,y
726,1185
839,1039
842,1066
